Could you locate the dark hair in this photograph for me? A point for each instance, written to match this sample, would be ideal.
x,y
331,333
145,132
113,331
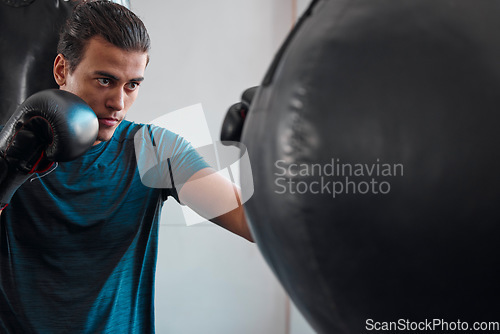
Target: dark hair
x,y
115,23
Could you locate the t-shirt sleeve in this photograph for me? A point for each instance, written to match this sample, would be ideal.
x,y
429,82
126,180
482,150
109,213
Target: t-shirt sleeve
x,y
165,159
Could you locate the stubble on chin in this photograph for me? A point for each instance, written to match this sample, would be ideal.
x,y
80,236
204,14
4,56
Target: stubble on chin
x,y
102,138
107,135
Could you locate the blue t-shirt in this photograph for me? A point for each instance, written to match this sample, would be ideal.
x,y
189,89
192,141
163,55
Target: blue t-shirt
x,y
78,245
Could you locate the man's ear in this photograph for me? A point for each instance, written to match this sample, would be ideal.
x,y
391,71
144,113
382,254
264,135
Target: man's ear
x,y
61,68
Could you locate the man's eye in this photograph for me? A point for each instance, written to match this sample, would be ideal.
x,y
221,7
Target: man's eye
x,y
133,85
104,81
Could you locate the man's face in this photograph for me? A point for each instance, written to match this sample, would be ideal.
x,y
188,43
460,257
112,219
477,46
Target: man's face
x,y
107,79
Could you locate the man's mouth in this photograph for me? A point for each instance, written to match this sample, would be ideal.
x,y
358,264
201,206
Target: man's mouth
x,y
109,121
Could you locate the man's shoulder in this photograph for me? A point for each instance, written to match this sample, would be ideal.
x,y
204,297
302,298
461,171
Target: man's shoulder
x,y
153,132
126,130
129,129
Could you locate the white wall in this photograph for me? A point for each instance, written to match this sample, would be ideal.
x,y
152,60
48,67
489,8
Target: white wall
x,y
208,280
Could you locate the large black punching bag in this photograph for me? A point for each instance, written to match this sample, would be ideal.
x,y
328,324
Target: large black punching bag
x,y
374,144
28,47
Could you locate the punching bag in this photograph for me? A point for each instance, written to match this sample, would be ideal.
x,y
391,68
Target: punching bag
x,y
373,142
30,31
28,47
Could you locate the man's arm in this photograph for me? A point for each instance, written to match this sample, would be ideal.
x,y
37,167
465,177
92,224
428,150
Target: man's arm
x,y
214,197
51,125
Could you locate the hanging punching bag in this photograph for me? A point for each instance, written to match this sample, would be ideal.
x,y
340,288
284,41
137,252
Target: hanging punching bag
x,y
28,45
30,31
373,142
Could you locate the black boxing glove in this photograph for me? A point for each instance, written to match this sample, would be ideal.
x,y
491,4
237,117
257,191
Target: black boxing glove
x,y
52,125
235,116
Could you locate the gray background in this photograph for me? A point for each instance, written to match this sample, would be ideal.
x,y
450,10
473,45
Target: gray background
x,y
208,52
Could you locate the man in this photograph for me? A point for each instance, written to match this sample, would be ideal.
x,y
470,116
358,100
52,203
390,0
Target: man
x,y
78,244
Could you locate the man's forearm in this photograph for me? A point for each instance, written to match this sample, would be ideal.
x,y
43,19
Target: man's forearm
x,y
235,220
216,199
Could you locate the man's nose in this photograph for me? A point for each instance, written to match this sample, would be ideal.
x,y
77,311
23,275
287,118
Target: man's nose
x,y
115,100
